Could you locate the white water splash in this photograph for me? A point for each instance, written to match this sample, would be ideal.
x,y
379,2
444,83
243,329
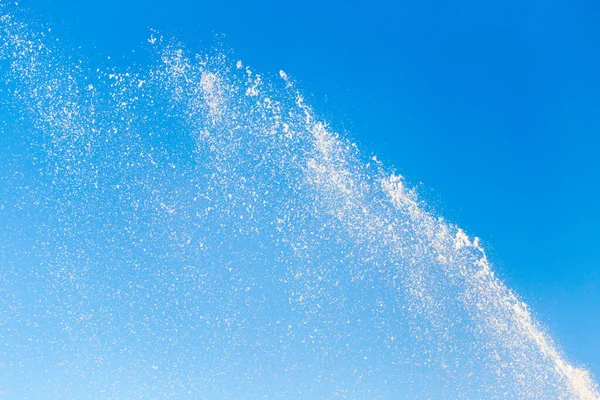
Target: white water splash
x,y
192,230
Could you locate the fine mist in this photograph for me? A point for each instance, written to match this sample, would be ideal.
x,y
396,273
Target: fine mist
x,y
189,229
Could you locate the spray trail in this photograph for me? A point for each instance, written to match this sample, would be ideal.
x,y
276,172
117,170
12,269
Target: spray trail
x,y
190,229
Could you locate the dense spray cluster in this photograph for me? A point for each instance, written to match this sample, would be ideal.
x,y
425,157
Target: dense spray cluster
x,y
189,229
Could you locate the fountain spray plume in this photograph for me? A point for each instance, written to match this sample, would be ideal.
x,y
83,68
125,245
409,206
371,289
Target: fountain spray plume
x,y
197,208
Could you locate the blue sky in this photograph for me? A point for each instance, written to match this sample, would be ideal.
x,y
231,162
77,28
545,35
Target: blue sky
x,y
494,107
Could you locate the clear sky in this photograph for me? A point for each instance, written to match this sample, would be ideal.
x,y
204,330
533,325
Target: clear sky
x,y
493,106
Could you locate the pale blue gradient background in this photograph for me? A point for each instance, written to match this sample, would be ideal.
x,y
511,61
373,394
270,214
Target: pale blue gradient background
x,y
493,106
